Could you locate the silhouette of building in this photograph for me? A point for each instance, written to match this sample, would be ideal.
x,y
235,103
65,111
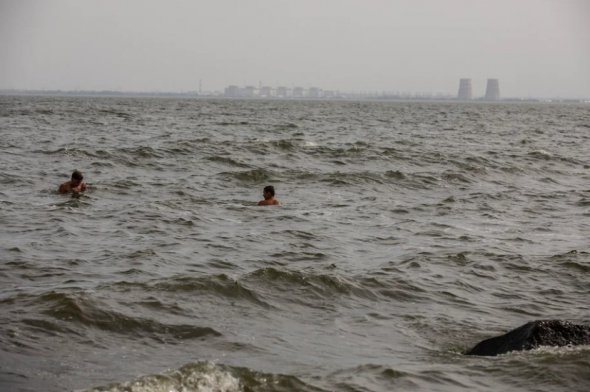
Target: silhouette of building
x,y
298,92
465,91
232,91
249,91
492,90
329,94
282,92
314,92
266,92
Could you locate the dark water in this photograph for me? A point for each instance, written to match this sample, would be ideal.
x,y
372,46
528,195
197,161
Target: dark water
x,y
408,232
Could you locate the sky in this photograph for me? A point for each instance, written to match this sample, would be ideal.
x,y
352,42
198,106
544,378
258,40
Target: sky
x,y
536,48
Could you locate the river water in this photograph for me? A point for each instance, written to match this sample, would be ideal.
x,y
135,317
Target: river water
x,y
408,232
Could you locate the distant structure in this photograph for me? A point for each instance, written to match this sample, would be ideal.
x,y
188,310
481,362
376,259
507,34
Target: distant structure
x,y
465,91
298,92
314,92
492,90
282,92
265,92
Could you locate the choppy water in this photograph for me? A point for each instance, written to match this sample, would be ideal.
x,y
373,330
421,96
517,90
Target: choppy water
x,y
408,233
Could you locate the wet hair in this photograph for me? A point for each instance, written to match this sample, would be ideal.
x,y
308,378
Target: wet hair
x,y
270,189
76,175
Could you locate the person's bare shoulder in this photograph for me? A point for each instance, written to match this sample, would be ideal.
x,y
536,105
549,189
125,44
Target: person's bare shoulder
x,y
64,188
273,202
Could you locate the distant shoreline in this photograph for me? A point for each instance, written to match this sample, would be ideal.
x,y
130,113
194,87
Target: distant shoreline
x,y
219,95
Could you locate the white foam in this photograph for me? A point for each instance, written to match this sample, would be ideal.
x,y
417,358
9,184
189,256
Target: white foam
x,y
553,350
202,377
213,380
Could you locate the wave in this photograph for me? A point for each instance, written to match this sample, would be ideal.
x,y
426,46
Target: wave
x,y
393,288
140,152
342,178
229,123
116,113
6,179
574,261
273,287
121,154
260,287
77,152
543,155
412,180
304,287
217,377
76,310
208,376
219,285
228,161
254,176
371,377
265,286
454,177
284,144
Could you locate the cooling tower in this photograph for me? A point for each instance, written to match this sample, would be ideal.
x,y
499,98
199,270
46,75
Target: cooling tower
x,y
465,92
493,90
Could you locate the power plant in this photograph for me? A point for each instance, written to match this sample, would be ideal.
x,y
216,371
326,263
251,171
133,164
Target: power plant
x,y
493,90
466,91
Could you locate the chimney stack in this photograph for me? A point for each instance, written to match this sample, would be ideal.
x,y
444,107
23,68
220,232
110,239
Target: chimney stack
x,y
465,91
493,90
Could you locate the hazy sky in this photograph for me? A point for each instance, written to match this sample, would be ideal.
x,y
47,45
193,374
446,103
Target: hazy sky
x,y
537,48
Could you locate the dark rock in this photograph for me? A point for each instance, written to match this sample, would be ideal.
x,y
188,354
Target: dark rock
x,y
532,335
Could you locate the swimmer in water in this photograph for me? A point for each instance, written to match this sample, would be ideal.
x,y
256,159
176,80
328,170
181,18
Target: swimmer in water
x,y
269,197
75,185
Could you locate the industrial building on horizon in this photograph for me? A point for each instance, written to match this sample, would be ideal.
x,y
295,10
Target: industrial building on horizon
x,y
234,91
492,90
466,90
465,93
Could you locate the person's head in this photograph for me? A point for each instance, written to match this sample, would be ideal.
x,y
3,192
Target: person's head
x,y
268,192
77,178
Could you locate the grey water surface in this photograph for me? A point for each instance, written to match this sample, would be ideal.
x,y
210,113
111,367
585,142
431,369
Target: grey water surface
x,y
409,231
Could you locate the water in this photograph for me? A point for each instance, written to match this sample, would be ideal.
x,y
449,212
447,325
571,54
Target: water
x,y
408,233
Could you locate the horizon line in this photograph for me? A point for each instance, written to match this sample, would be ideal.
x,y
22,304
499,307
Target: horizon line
x,y
220,94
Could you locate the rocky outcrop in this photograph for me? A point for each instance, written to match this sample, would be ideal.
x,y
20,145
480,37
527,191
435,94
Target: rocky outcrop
x,y
534,334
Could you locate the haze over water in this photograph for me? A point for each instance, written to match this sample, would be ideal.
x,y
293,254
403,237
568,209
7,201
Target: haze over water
x,y
536,48
408,233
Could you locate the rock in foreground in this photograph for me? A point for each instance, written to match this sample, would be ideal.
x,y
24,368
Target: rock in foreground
x,y
534,334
